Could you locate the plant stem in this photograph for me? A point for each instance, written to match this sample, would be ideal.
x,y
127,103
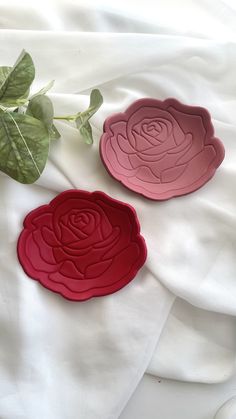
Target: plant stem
x,y
91,108
3,109
74,117
67,118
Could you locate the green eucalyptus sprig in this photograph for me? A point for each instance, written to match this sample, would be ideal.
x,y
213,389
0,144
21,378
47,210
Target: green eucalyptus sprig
x,y
26,122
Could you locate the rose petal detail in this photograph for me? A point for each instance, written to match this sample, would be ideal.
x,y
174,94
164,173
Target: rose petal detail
x,y
124,145
128,257
42,218
199,166
60,212
193,122
117,167
111,239
33,255
91,240
67,235
141,143
63,253
49,237
170,139
146,175
45,251
69,269
169,175
161,148
182,147
151,158
97,269
122,157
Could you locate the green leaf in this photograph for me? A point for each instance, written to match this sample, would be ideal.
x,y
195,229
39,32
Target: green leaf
x,y
82,123
4,71
24,146
96,101
41,107
44,90
54,133
86,132
15,83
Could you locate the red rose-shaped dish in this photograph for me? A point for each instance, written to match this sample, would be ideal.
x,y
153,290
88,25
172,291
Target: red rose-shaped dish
x,y
82,245
161,149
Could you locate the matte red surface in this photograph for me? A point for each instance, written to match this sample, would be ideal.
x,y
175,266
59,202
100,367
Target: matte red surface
x,y
161,149
82,245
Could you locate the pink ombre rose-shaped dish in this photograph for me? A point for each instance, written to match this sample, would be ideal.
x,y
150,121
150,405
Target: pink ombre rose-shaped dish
x,y
161,149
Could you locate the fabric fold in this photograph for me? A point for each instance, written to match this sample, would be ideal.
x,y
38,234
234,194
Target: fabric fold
x,y
65,360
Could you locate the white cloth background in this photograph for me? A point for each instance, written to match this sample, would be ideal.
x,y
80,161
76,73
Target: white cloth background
x,y
65,360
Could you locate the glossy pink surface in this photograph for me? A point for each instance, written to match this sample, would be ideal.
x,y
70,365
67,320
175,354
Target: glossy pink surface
x,y
82,245
161,149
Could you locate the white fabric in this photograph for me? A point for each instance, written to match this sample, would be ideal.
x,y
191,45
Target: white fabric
x,y
196,346
63,360
228,410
